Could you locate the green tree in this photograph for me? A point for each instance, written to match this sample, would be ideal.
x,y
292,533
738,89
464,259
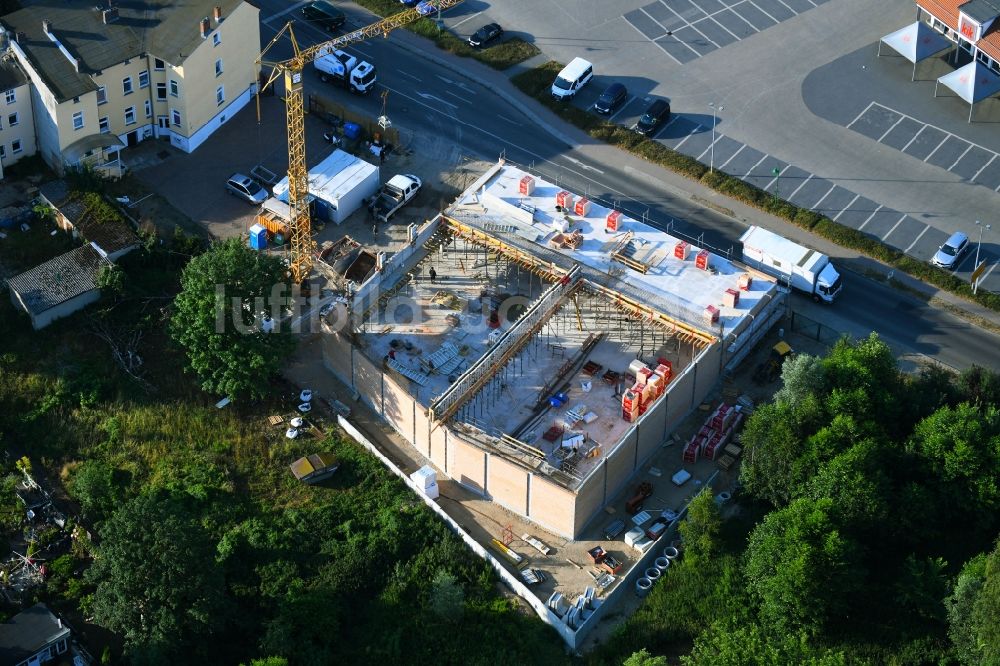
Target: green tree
x,y
980,386
111,278
93,486
447,599
700,530
921,588
750,645
801,376
306,629
857,482
799,567
974,611
157,581
218,319
643,658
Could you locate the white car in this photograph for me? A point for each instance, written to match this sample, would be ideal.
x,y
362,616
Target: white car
x,y
246,188
948,254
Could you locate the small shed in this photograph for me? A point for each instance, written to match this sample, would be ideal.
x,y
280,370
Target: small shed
x,y
340,185
33,636
112,236
315,468
59,287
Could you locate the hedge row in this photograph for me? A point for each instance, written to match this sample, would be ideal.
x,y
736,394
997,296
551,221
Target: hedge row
x,y
499,56
536,83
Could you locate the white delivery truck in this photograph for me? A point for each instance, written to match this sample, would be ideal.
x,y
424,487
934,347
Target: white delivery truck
x,y
792,264
358,76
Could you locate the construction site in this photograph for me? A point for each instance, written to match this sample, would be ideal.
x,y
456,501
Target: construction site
x,y
539,349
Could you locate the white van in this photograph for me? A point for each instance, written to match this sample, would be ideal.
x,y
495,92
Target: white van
x,y
572,78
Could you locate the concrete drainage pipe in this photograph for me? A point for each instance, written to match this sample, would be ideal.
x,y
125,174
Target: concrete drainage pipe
x,y
661,563
642,587
653,574
670,553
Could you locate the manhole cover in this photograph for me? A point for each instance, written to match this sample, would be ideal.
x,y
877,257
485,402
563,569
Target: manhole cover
x,y
163,154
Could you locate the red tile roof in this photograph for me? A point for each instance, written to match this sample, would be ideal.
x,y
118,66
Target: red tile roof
x,y
947,12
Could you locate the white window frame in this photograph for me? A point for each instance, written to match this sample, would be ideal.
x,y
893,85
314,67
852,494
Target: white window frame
x,y
163,87
78,116
3,152
102,95
175,117
175,88
159,65
61,646
19,147
218,67
148,107
220,95
104,125
144,79
216,38
13,120
11,96
129,110
127,87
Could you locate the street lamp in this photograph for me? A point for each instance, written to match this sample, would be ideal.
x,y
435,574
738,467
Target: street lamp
x,y
978,247
776,172
715,110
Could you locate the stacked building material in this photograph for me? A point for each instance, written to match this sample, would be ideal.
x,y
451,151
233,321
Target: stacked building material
x,y
631,403
714,434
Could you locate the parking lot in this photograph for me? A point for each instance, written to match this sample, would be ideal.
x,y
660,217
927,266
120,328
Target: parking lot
x,y
689,29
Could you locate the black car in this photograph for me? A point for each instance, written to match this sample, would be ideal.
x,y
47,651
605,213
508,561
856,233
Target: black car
x,y
650,121
486,34
612,97
325,14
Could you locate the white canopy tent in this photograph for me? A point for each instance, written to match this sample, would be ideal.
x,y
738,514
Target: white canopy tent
x,y
917,41
973,83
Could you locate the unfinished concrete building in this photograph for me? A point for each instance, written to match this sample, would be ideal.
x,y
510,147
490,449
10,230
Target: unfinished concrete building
x,y
538,348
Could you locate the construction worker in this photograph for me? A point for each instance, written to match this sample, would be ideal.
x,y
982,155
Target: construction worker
x,y
433,274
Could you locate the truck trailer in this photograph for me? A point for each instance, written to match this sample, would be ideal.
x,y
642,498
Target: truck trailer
x,y
339,66
792,264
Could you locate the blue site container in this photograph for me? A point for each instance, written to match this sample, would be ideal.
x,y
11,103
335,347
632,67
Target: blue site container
x,y
352,130
258,237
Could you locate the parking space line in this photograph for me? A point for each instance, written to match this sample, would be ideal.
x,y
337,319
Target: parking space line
x,y
697,127
856,197
959,265
747,174
919,132
816,205
670,33
976,175
672,57
289,10
751,2
704,152
955,163
987,273
622,108
858,117
712,19
926,227
938,146
790,9
740,150
455,25
898,222
885,133
695,28
777,177
869,218
801,185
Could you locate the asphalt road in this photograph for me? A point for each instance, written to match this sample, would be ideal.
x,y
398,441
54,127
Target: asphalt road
x,y
426,97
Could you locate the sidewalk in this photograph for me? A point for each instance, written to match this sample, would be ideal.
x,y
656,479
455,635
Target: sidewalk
x,y
681,186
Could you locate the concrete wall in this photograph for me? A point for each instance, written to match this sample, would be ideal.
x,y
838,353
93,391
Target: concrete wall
x,y
507,484
397,406
469,466
552,506
64,309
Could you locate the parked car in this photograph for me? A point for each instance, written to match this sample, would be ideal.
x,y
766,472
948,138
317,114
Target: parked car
x,y
246,188
485,35
409,3
655,115
425,8
324,14
948,254
612,98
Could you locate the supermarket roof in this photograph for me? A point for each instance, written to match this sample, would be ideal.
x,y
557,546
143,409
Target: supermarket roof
x,y
637,260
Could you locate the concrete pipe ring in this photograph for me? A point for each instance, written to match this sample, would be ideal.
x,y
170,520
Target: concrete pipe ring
x,y
653,574
661,563
642,587
670,553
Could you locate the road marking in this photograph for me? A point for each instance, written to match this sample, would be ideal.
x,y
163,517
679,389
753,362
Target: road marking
x,y
747,174
458,97
696,128
734,155
891,127
868,219
903,149
789,8
735,36
955,163
436,99
801,185
888,233
582,165
959,265
856,197
670,33
410,76
985,275
815,205
926,227
976,175
714,141
297,5
695,28
672,57
858,117
460,84
455,25
751,2
936,147
513,122
626,103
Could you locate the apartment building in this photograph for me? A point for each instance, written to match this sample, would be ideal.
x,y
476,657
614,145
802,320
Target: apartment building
x,y
17,131
110,76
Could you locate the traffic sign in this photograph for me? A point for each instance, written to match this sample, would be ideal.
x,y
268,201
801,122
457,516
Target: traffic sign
x,y
976,274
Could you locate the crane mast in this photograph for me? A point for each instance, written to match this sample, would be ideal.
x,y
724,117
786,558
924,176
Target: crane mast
x,y
301,243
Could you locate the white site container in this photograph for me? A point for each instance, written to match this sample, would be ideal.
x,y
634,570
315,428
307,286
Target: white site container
x,y
426,479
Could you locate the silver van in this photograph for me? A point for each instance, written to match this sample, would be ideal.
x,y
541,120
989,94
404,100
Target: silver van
x,y
572,78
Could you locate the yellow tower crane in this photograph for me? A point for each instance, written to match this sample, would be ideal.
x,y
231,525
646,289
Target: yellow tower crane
x,y
302,245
